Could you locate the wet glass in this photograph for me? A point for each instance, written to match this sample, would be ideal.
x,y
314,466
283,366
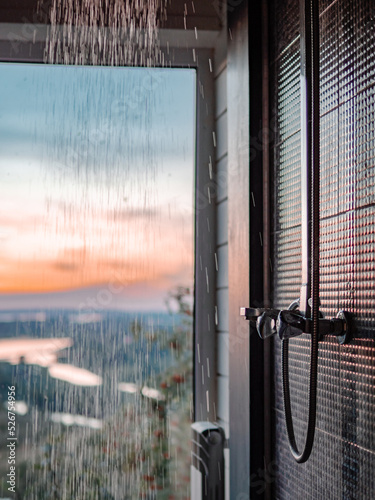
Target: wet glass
x,y
96,277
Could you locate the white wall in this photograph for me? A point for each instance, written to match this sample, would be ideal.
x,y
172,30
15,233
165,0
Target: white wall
x,y
222,323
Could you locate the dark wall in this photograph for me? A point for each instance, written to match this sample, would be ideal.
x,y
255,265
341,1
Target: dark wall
x,y
343,458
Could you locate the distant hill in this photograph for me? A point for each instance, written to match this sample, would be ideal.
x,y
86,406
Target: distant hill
x,y
116,346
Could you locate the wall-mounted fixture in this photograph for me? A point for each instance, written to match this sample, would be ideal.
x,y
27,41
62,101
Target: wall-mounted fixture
x,y
207,461
303,315
291,323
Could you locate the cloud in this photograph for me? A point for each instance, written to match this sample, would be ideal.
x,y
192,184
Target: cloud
x,y
74,375
65,266
131,213
138,296
41,352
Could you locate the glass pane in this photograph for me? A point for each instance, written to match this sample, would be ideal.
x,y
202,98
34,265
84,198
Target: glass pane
x,y
96,276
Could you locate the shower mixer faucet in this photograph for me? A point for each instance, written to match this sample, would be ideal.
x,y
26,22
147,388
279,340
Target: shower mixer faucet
x,y
291,323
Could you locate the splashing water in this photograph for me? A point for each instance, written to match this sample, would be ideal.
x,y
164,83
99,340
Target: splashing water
x,y
110,32
102,203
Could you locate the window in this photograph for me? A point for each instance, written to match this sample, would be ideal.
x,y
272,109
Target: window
x,y
96,279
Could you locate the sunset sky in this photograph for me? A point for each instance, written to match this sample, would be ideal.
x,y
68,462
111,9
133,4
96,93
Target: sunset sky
x,y
97,169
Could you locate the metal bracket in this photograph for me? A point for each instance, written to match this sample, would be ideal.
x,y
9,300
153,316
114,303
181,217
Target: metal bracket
x,y
290,324
251,313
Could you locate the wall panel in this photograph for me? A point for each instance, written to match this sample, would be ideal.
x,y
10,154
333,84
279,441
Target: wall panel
x,y
343,456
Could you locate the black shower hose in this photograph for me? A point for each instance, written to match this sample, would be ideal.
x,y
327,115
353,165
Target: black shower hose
x,y
301,457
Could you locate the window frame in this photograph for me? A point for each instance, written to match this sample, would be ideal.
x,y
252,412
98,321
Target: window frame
x,y
25,43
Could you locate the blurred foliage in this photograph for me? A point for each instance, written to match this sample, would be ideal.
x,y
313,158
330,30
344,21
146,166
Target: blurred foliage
x,y
143,449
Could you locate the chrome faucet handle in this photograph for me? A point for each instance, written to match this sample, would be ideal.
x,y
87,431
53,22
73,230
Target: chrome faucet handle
x,y
265,319
251,313
291,324
266,323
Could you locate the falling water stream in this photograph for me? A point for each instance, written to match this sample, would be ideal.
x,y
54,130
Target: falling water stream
x,y
110,32
96,268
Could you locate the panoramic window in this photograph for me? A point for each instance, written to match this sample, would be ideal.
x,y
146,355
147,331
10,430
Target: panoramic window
x,y
96,277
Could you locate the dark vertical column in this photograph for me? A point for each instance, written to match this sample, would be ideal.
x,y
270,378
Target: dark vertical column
x,y
267,355
258,219
205,240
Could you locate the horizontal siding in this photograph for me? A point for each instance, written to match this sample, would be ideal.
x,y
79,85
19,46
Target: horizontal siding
x,y
223,390
222,179
221,93
222,353
222,310
222,223
222,326
222,136
222,266
222,295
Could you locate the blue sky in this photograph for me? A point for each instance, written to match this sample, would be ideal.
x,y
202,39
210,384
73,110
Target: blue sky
x,y
97,170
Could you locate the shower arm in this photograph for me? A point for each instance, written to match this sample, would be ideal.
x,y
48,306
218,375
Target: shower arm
x,y
303,315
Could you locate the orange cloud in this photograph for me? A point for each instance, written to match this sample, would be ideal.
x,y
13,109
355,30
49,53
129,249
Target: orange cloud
x,y
59,246
166,268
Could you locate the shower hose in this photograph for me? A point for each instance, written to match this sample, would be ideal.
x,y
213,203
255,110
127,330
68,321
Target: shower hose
x,y
301,457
